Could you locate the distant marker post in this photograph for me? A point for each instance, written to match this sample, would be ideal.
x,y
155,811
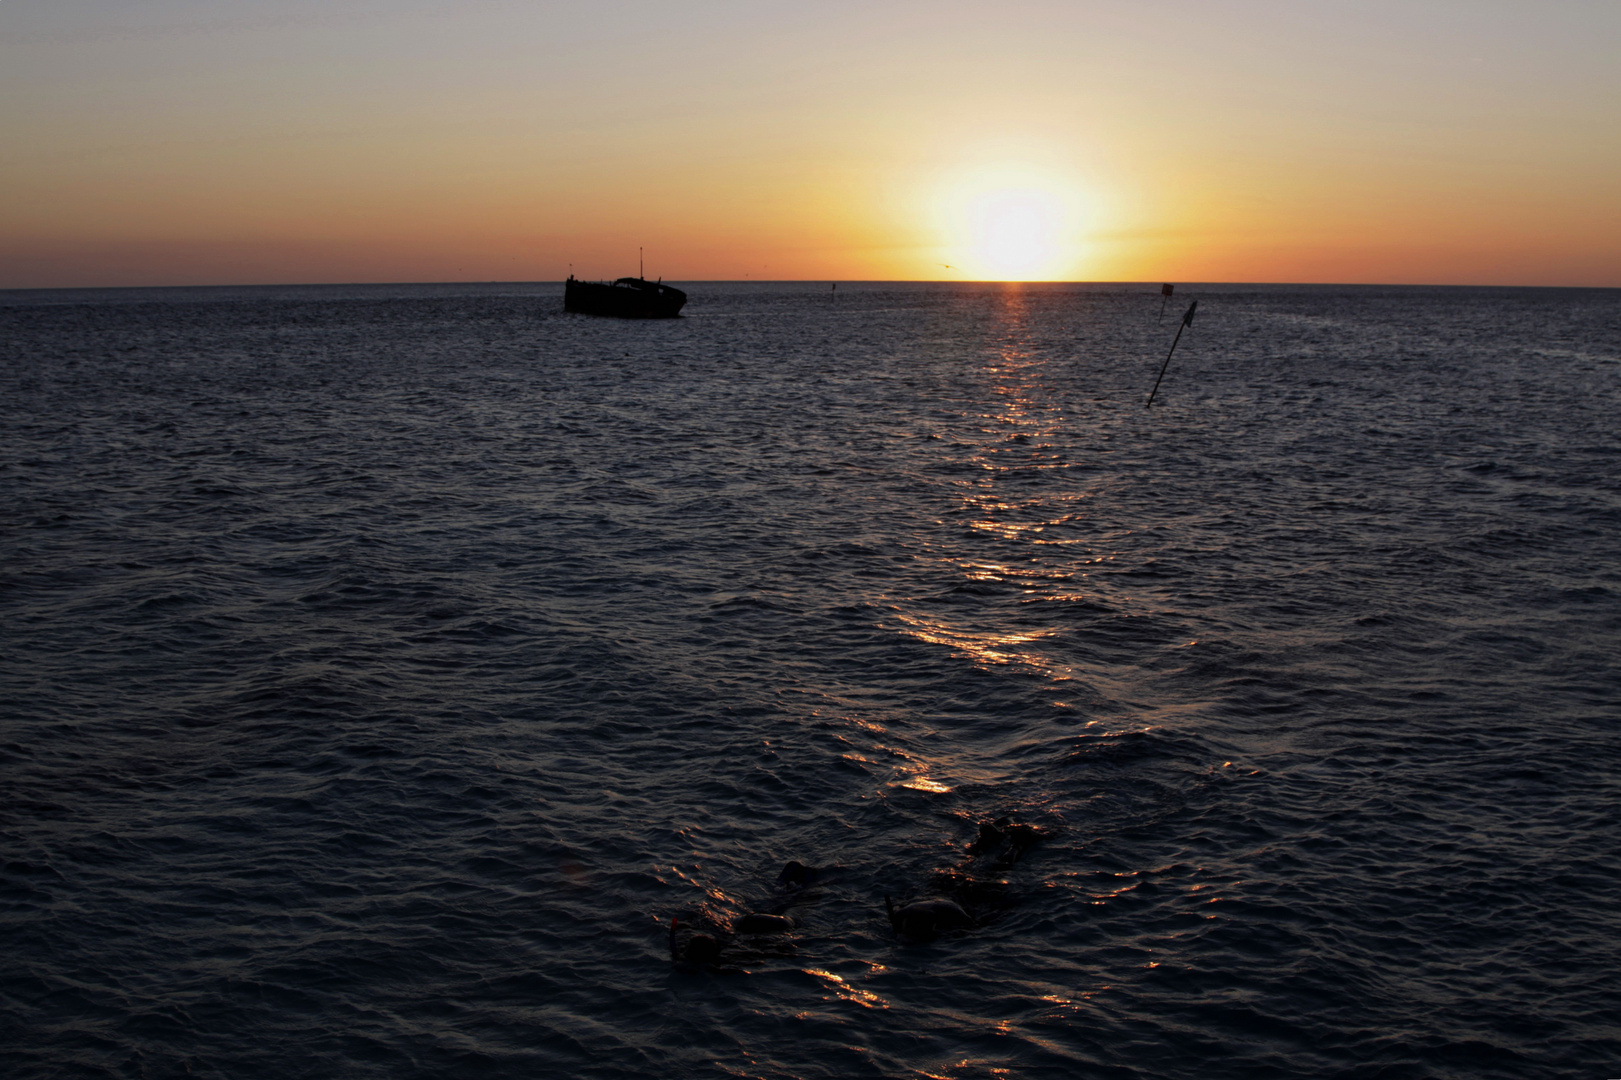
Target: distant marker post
x,y
1187,321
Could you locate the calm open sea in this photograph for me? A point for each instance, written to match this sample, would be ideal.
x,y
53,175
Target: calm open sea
x,y
382,668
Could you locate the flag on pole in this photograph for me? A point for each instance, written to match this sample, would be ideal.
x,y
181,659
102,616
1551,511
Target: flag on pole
x,y
1167,290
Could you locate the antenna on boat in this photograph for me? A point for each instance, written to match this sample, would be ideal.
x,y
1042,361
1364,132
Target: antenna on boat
x,y
641,265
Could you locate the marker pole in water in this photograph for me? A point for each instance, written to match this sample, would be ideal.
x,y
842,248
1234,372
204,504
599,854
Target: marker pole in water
x,y
1187,321
1165,291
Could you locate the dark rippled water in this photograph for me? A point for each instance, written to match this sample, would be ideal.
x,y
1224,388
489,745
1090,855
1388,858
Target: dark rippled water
x,y
383,668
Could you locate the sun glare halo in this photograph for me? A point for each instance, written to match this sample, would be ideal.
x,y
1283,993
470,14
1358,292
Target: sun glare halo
x,y
1010,224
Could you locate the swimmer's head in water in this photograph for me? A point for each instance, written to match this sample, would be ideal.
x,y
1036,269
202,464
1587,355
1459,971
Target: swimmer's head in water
x,y
927,919
697,949
762,923
1005,837
795,876
701,949
990,837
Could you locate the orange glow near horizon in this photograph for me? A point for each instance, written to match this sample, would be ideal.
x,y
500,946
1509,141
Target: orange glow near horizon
x,y
181,142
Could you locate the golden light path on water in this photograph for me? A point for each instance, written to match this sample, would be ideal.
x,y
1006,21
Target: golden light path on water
x,y
1019,420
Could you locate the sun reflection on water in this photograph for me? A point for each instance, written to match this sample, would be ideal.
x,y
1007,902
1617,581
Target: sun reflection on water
x,y
1020,431
983,648
839,986
923,783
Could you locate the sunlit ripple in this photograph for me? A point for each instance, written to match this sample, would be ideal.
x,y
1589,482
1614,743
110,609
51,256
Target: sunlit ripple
x,y
923,783
985,648
842,988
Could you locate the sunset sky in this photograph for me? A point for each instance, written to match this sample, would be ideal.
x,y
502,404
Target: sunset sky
x,y
157,142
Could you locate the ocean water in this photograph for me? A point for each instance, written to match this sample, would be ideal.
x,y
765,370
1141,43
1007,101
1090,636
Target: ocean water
x,y
383,668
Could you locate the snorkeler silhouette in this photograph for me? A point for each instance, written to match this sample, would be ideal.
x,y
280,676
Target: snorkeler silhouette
x,y
697,949
958,900
1004,838
795,876
927,919
762,922
706,948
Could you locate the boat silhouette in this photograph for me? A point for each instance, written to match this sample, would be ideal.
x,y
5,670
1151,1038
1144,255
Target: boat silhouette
x,y
627,298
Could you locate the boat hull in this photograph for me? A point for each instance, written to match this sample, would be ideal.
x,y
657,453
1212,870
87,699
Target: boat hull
x,y
627,298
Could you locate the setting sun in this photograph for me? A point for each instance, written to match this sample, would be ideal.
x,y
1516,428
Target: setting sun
x,y
1010,224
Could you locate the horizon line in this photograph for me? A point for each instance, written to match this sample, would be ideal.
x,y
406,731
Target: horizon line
x,y
1145,282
